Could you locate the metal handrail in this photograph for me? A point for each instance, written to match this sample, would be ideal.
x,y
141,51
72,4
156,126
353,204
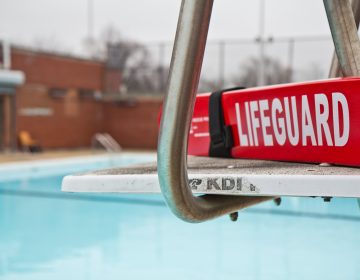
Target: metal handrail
x,y
107,141
335,70
344,20
184,76
185,70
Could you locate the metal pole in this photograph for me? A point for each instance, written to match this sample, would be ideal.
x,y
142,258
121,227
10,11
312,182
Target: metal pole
x,y
161,68
178,108
291,59
345,37
335,70
261,69
90,19
13,131
6,55
222,64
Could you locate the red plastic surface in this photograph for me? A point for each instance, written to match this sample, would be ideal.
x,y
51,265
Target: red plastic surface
x,y
304,122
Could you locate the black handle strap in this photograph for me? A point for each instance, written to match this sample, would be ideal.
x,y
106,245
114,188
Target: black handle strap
x,y
220,134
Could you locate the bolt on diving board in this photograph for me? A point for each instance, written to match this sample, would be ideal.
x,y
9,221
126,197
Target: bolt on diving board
x,y
227,177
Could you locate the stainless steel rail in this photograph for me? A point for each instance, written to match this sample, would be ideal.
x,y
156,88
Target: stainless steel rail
x,y
185,70
335,70
343,25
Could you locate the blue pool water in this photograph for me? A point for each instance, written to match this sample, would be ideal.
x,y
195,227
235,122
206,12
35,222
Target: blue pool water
x,y
46,234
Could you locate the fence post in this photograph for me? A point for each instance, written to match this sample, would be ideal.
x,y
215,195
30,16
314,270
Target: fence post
x,y
222,54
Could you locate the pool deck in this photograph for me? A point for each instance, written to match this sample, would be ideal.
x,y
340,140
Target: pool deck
x,y
7,157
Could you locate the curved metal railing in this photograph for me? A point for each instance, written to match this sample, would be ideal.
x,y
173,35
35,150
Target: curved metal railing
x,y
185,70
177,111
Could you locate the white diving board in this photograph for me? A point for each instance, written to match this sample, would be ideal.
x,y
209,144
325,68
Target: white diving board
x,y
227,177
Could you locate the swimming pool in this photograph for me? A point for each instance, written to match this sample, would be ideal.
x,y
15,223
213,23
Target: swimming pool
x,y
46,234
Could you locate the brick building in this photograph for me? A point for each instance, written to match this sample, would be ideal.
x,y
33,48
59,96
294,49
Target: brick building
x,y
63,104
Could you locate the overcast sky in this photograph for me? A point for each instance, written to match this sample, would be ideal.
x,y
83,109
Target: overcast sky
x,y
65,21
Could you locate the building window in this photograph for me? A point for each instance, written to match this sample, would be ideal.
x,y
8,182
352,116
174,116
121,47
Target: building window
x,y
57,93
86,94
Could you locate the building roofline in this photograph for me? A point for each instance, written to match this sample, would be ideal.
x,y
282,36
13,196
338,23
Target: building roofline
x,y
20,48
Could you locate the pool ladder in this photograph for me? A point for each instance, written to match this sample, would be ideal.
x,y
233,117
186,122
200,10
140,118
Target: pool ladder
x,y
106,141
187,57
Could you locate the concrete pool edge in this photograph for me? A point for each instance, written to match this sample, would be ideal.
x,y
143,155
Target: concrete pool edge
x,y
60,166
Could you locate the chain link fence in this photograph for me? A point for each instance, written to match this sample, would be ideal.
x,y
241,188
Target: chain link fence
x,y
229,63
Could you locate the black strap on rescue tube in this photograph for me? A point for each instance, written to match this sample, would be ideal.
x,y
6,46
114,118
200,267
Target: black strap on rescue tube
x,y
220,134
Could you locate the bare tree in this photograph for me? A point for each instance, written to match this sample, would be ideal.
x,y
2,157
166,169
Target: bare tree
x,y
110,37
208,85
133,59
275,73
314,72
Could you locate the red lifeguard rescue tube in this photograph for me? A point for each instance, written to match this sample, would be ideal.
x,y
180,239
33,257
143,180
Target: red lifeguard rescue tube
x,y
302,122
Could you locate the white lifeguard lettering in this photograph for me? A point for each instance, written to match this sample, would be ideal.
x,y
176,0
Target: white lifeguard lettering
x,y
248,123
265,122
339,99
277,122
325,123
306,122
254,120
242,136
293,134
321,101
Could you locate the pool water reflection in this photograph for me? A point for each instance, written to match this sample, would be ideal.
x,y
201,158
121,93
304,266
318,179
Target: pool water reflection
x,y
46,234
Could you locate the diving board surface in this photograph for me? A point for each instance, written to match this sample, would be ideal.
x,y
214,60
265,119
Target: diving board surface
x,y
227,177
